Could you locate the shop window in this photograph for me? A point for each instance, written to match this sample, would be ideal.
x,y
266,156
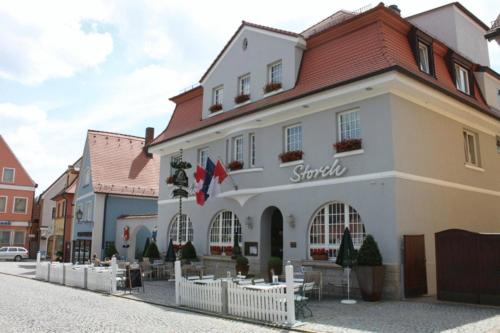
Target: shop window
x,y
19,238
223,229
181,229
4,238
328,224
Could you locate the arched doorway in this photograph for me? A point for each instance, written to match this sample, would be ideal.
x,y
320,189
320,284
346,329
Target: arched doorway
x,y
271,235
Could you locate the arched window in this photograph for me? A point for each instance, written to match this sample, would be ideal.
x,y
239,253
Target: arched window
x,y
224,226
328,226
181,229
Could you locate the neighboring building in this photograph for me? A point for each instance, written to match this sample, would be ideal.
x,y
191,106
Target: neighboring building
x,y
51,235
64,216
17,191
118,177
414,119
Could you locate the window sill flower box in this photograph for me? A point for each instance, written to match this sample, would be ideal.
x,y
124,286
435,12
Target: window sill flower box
x,y
216,107
241,98
272,87
319,254
215,250
290,156
235,165
348,145
228,250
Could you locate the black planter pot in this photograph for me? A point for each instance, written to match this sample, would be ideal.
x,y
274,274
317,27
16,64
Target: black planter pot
x,y
370,282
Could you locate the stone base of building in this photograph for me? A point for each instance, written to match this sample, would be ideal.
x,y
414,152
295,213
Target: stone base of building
x,y
333,277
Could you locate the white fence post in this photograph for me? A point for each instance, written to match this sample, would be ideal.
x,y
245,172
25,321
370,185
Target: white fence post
x,y
113,274
290,298
178,277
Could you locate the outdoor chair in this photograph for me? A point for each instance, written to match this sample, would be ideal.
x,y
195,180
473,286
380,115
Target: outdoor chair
x,y
147,271
301,300
258,281
317,278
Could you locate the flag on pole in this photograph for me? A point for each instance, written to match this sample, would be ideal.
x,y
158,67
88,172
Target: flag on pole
x,y
219,175
209,173
199,177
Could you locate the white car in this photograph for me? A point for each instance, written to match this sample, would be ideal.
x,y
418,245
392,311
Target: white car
x,y
13,253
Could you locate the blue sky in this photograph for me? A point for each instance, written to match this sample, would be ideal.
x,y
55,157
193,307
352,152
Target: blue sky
x,y
67,66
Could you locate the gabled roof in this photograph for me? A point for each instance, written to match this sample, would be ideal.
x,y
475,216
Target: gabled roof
x,y
75,164
243,25
365,45
119,165
70,189
22,177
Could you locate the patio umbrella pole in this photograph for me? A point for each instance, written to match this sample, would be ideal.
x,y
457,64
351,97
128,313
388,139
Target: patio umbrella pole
x,y
348,300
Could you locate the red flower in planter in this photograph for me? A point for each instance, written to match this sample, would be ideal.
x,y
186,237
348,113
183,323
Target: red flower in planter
x,y
241,98
235,165
215,250
228,250
215,108
348,145
272,87
290,156
170,180
177,247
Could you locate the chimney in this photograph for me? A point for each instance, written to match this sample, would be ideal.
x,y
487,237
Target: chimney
x,y
150,134
395,9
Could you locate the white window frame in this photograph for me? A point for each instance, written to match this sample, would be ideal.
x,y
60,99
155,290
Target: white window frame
x,y
287,138
244,88
462,82
202,161
423,56
351,218
218,95
89,211
251,148
14,205
86,176
271,70
13,175
235,225
357,128
6,203
175,227
471,157
237,148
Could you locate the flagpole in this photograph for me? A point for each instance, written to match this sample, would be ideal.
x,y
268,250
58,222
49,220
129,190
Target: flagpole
x,y
229,175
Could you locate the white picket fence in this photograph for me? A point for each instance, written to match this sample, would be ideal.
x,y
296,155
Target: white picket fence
x,y
263,305
274,305
206,297
81,276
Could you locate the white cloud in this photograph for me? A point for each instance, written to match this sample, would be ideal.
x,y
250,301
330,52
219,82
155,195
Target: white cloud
x,y
40,40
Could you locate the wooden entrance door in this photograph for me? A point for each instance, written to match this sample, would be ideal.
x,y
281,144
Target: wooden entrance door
x,y
415,272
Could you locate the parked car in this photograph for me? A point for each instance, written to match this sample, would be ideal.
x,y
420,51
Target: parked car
x,y
13,253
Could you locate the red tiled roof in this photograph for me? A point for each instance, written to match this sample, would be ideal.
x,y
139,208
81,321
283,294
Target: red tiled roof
x,y
120,166
365,45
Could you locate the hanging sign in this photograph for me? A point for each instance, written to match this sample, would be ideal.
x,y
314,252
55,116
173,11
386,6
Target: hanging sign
x,y
179,192
304,172
180,178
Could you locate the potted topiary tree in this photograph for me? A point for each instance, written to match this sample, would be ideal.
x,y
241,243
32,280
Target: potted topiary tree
x,y
242,265
369,270
152,252
188,253
275,264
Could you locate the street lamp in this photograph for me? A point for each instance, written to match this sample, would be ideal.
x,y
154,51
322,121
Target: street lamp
x,y
79,215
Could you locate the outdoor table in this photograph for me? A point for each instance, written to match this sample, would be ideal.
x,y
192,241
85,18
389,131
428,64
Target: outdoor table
x,y
268,286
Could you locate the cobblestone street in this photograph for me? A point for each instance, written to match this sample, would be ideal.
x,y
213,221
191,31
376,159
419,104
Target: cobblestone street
x,y
33,306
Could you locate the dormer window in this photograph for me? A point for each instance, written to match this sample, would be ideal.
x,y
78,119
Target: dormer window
x,y
275,70
421,45
462,79
423,55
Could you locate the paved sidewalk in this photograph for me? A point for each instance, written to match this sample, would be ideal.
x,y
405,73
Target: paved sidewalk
x,y
25,268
